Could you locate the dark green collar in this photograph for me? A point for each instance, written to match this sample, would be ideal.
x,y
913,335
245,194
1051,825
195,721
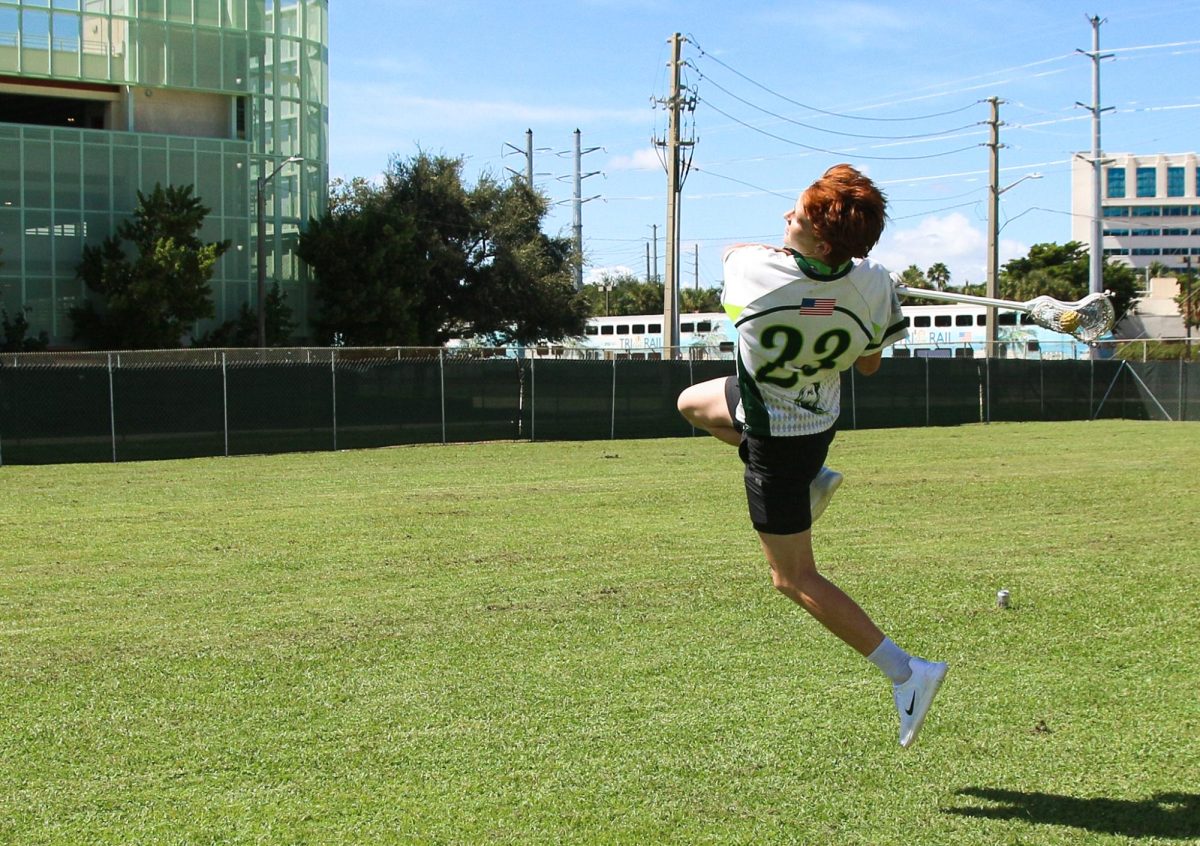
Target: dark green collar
x,y
818,269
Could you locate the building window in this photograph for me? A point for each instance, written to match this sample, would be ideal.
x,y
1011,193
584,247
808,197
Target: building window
x,y
1147,211
1147,184
1175,211
1116,182
1116,233
1117,252
1176,231
1115,211
1174,182
1144,233
1147,251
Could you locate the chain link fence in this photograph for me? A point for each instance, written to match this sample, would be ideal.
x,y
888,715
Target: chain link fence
x,y
72,407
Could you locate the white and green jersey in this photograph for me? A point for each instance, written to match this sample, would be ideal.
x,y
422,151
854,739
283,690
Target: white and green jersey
x,y
798,329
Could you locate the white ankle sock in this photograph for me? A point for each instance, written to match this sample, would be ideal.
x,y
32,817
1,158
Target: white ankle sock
x,y
892,660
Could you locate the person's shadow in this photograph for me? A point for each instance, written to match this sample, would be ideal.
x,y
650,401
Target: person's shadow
x,y
1168,815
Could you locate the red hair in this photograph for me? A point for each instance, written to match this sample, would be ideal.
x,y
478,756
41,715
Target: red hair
x,y
847,212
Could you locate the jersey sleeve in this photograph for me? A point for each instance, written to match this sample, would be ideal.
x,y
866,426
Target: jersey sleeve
x,y
894,326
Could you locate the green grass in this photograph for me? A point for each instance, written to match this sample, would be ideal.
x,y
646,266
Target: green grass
x,y
578,643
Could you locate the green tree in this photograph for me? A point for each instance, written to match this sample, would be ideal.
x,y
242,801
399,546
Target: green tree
x,y
150,299
242,331
1062,271
1188,298
425,258
699,299
939,276
15,334
913,277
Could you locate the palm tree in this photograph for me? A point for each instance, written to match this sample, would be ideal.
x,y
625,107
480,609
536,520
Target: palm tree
x,y
938,276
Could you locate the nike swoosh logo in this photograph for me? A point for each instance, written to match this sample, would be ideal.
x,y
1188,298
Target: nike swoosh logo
x,y
911,703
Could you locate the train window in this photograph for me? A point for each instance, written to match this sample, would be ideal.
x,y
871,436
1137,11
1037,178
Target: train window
x,y
921,320
1006,318
639,328
901,352
606,330
655,328
941,320
727,346
1033,346
592,330
963,320
1026,319
622,328
964,352
704,326
981,319
687,327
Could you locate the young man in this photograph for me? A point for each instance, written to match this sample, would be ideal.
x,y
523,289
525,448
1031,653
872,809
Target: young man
x,y
804,313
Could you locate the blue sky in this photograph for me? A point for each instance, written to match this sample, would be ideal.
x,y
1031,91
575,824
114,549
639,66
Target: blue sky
x,y
897,88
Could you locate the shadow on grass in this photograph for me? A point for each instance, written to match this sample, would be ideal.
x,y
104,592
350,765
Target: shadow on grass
x,y
1168,815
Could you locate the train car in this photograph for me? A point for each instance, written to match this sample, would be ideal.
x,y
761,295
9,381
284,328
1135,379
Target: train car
x,y
935,331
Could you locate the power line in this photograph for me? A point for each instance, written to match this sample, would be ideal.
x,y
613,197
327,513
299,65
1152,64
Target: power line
x,y
720,87
812,108
834,152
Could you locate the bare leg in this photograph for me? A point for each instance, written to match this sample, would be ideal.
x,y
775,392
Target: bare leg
x,y
794,574
703,405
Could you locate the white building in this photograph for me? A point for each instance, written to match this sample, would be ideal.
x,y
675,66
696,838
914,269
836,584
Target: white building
x,y
1150,207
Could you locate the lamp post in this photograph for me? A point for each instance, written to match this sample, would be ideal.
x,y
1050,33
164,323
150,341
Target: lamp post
x,y
262,247
993,257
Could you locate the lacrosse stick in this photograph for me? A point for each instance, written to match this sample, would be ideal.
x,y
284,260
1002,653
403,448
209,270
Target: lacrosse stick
x,y
1085,319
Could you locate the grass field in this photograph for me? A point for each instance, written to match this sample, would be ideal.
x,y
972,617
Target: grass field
x,y
563,643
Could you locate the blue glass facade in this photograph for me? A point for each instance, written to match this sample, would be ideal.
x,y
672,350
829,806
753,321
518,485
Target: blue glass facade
x,y
105,97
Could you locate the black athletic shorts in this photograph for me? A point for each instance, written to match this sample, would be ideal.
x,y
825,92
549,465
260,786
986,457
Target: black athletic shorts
x,y
778,474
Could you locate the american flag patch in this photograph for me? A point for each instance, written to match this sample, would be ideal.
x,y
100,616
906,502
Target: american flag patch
x,y
819,306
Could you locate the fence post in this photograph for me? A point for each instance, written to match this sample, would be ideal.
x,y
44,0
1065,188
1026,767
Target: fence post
x,y
442,378
112,410
987,389
612,426
532,400
853,401
333,385
225,400
927,359
1182,407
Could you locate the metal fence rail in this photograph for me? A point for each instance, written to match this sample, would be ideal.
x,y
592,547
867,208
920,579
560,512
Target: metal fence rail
x,y
67,407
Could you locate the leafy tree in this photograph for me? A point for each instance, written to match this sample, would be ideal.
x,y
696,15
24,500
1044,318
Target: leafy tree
x,y
938,276
424,258
702,299
16,331
242,331
1188,298
150,299
913,277
1062,271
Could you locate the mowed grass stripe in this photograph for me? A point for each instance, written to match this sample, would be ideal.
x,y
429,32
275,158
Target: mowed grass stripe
x,y
578,643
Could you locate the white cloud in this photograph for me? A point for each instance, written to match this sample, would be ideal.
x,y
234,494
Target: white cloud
x,y
646,158
594,275
952,239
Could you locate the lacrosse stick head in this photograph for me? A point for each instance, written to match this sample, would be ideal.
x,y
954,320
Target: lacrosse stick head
x,y
1086,319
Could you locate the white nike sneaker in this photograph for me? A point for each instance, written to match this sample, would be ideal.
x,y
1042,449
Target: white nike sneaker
x,y
821,491
914,697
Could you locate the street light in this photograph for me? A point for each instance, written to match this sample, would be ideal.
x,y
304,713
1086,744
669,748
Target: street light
x,y
262,247
993,258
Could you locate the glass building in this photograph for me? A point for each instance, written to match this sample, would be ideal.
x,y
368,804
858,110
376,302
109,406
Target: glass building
x,y
102,98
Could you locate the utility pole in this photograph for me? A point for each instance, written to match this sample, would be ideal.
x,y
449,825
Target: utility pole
x,y
696,264
993,254
1096,242
577,207
648,276
654,247
676,168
